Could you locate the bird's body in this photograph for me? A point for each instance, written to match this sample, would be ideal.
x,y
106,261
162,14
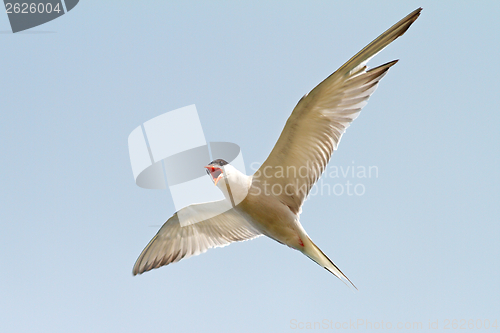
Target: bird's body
x,y
269,202
272,218
262,208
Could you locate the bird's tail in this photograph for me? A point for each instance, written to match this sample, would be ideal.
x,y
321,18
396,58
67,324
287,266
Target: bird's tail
x,y
315,254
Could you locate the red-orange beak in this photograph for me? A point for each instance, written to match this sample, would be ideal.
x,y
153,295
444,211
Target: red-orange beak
x,y
215,172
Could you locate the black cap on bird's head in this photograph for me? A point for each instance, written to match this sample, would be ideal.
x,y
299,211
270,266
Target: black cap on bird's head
x,y
218,162
214,169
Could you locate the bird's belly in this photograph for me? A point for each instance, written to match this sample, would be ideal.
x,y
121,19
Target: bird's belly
x,y
272,218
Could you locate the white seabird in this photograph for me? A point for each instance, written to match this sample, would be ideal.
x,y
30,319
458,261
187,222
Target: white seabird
x,y
298,159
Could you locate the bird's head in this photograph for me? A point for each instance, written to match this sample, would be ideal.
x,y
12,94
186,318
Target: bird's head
x,y
216,170
228,179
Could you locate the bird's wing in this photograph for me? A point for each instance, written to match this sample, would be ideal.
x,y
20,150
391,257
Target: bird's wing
x,y
313,130
174,242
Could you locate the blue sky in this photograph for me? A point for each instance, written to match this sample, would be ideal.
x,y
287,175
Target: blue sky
x,y
420,243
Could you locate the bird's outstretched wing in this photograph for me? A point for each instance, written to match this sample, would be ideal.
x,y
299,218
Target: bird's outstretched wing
x,y
313,130
174,242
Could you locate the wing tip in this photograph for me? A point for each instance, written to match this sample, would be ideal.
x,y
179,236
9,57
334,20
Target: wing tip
x,y
379,43
387,64
136,270
408,20
141,267
414,14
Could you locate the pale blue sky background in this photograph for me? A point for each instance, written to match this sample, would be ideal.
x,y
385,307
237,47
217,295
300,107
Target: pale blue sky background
x,y
422,243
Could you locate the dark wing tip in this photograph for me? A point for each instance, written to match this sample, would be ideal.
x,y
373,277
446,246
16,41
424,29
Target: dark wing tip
x,y
410,18
382,69
139,266
137,270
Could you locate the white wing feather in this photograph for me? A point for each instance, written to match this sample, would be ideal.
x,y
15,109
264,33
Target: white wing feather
x,y
315,127
174,242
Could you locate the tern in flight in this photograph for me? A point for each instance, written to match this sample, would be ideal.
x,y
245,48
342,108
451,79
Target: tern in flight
x,y
269,202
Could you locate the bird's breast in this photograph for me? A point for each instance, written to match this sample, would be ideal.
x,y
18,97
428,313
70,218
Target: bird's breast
x,y
271,217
